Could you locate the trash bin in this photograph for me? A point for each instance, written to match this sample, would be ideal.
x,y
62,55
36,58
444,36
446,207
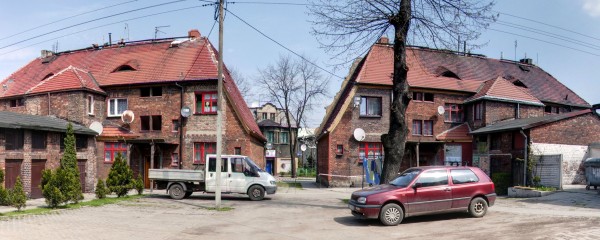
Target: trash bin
x,y
592,172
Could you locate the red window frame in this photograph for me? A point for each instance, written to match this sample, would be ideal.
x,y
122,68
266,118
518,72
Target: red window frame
x,y
112,148
203,148
210,102
450,112
366,148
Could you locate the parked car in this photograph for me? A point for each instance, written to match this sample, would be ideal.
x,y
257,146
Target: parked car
x,y
426,190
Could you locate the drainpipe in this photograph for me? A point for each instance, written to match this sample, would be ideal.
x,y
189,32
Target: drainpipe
x,y
525,153
49,104
180,128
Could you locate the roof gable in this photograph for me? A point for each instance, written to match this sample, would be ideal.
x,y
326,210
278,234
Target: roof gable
x,y
504,91
70,78
527,123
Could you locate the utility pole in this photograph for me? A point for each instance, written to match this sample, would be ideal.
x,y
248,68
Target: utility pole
x,y
219,108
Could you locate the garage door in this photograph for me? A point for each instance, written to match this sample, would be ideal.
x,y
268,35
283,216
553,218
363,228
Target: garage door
x,y
12,171
549,169
37,166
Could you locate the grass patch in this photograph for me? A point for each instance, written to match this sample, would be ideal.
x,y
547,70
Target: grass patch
x,y
221,209
289,184
543,188
47,210
346,201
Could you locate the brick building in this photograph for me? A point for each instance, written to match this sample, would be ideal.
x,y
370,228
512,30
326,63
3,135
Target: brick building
x,y
455,98
137,92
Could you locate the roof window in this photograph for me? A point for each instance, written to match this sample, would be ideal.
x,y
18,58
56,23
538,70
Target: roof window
x,y
47,76
518,83
124,68
449,74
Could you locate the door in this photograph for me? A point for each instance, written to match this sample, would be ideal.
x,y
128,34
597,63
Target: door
x,y
239,176
211,175
12,171
432,194
82,173
146,167
269,167
37,166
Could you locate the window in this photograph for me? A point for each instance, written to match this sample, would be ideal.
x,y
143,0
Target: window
x,y
427,128
151,92
124,68
370,150
206,102
433,178
339,150
174,159
111,149
212,165
201,149
551,109
283,137
495,141
463,176
270,136
116,106
17,102
417,127
39,140
264,116
370,106
478,111
237,151
151,123
81,142
175,125
14,139
420,96
272,116
90,105
239,165
453,113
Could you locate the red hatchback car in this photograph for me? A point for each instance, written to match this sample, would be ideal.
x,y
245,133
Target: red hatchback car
x,y
426,190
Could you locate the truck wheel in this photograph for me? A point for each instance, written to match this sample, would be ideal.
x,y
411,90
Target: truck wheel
x,y
187,194
391,214
256,193
176,191
478,207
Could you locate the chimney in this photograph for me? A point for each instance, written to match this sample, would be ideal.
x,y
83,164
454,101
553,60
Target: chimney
x,y
194,33
527,61
384,40
46,54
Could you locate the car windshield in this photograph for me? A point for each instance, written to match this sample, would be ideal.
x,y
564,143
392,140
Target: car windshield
x,y
405,177
253,165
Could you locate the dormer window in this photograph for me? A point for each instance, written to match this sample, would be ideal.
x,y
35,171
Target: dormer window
x,y
49,75
124,68
449,74
518,83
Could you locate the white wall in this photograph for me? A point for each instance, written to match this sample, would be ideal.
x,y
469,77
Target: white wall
x,y
572,159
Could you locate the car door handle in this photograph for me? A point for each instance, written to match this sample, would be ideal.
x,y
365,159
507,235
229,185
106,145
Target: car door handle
x,y
229,175
447,189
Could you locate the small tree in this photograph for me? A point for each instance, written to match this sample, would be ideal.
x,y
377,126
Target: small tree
x,y
139,185
71,186
3,192
51,185
18,198
101,189
120,177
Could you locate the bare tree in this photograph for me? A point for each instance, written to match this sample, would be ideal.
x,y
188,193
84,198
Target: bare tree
x,y
295,86
353,26
242,83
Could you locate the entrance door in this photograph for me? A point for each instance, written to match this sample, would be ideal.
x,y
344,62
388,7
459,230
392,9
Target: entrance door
x,y
269,167
82,173
37,166
13,170
211,175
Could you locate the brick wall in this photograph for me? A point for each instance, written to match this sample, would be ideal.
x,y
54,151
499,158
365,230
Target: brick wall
x,y
574,131
573,156
418,110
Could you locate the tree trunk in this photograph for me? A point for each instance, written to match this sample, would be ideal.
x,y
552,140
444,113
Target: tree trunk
x,y
394,141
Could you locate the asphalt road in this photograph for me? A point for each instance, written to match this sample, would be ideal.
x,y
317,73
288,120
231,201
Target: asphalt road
x,y
311,213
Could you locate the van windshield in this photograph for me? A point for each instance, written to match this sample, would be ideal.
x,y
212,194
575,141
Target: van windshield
x,y
405,177
253,165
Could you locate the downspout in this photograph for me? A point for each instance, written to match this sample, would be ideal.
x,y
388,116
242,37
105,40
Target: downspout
x,y
180,127
525,153
49,104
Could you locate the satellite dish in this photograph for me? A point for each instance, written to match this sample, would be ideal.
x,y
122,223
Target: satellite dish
x,y
127,116
441,110
303,147
359,134
97,127
186,111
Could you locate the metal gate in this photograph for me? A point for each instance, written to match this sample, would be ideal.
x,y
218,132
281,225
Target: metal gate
x,y
548,168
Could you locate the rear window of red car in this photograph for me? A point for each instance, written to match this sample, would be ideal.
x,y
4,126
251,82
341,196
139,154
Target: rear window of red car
x,y
462,176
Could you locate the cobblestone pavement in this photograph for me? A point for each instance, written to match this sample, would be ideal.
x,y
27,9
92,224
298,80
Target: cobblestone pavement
x,y
309,213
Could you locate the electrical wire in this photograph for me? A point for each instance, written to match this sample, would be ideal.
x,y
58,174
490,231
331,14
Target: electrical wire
x,y
549,25
63,19
537,39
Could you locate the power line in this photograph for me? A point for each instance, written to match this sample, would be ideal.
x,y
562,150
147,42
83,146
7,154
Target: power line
x,y
93,20
549,25
113,23
272,3
281,45
550,34
537,39
63,19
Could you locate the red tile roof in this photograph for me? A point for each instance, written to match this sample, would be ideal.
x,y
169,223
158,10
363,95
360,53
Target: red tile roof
x,y
459,133
503,90
152,61
114,132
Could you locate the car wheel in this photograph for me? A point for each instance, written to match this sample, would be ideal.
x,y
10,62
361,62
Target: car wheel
x,y
478,207
391,214
587,187
256,193
176,192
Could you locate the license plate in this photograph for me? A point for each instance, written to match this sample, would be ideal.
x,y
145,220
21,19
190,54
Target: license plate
x,y
351,207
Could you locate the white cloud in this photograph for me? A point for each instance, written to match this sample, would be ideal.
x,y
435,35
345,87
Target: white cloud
x,y
592,7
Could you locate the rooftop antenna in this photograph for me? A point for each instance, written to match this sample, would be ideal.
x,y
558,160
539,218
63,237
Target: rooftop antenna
x,y
156,30
501,55
515,50
126,31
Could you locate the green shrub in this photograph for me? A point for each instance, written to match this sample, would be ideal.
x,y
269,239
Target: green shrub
x,y
1,176
536,181
18,199
307,172
51,184
3,193
120,178
139,185
501,182
101,190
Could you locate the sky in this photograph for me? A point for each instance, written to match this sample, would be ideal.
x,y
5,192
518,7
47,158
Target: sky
x,y
567,48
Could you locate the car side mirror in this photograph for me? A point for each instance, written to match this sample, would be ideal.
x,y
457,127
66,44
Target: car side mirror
x,y
417,185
